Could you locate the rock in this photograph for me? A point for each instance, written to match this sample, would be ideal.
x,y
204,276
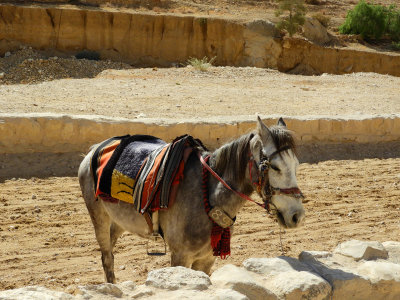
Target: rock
x,y
263,27
173,278
241,281
228,294
7,54
345,282
273,266
141,292
182,294
385,277
300,285
289,278
380,270
362,250
34,293
315,32
126,286
95,291
393,249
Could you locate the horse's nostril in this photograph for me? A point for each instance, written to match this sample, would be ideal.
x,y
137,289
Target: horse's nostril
x,y
295,219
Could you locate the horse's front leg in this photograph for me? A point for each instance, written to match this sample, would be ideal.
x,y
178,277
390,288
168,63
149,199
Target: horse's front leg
x,y
179,259
204,264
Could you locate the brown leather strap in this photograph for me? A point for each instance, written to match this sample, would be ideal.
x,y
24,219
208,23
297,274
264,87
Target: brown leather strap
x,y
148,221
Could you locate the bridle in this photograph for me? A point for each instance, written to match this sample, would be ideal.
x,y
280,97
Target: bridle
x,y
264,188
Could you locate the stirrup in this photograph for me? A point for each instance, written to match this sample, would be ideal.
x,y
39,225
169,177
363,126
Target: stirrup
x,y
155,237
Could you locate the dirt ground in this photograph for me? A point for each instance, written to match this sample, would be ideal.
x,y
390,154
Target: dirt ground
x,y
47,237
220,93
46,234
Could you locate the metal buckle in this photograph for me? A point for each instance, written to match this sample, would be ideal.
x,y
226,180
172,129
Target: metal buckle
x,y
152,249
220,217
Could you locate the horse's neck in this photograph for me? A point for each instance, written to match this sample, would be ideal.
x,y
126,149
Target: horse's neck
x,y
222,197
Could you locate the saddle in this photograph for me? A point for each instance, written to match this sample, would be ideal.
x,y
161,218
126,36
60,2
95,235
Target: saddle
x,y
141,169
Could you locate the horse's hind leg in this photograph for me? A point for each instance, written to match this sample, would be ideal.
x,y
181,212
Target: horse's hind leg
x,y
102,227
100,219
115,232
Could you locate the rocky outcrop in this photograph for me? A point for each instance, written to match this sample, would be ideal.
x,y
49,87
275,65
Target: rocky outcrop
x,y
315,275
136,38
299,56
315,32
169,40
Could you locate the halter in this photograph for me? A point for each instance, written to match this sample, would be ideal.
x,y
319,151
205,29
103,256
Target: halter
x,y
263,180
264,188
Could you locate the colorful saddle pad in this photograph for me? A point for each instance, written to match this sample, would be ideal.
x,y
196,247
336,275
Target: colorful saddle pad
x,y
140,169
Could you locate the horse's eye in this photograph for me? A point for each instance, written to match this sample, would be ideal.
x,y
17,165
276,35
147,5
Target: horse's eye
x,y
275,168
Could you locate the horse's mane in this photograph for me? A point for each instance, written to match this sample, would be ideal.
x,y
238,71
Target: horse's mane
x,y
231,159
282,137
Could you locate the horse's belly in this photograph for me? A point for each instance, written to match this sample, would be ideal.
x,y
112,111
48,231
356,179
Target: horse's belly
x,y
127,217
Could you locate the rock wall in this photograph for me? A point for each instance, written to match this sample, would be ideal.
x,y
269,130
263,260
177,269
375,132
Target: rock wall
x,y
165,40
139,39
28,133
354,270
301,57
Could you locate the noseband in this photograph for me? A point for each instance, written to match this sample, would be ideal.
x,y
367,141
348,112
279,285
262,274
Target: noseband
x,y
264,188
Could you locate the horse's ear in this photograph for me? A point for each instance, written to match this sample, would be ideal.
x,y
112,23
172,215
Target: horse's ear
x,y
281,122
262,129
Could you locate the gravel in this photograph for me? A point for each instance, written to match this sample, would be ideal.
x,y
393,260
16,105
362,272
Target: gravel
x,y
28,66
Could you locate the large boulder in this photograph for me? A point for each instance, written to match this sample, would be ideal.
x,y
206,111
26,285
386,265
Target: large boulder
x,y
393,249
362,250
340,274
315,32
34,293
174,278
288,278
242,281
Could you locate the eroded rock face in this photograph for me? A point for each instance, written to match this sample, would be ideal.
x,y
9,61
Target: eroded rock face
x,y
138,39
316,275
169,40
315,32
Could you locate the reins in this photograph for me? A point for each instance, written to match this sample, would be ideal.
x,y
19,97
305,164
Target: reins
x,y
262,178
205,165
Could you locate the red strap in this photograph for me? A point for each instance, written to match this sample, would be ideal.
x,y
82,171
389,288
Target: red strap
x,y
204,163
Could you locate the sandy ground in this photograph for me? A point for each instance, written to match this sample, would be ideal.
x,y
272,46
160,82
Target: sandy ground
x,y
47,237
185,93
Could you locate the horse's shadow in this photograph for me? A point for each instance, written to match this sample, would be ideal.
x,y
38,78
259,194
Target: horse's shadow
x,y
320,269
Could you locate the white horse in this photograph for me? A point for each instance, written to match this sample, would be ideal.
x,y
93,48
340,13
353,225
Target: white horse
x,y
263,161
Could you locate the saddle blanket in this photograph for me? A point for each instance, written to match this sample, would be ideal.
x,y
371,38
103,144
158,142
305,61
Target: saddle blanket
x,y
140,169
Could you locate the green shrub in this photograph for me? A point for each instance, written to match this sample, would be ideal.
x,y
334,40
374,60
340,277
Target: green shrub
x,y
365,19
393,23
295,12
201,64
372,21
396,46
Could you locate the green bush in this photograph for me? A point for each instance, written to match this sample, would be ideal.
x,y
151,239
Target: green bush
x,y
372,21
393,23
295,15
201,64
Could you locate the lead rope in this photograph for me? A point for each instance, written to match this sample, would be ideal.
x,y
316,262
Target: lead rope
x,y
280,240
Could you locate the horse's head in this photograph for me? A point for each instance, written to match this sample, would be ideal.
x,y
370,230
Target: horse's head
x,y
274,172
